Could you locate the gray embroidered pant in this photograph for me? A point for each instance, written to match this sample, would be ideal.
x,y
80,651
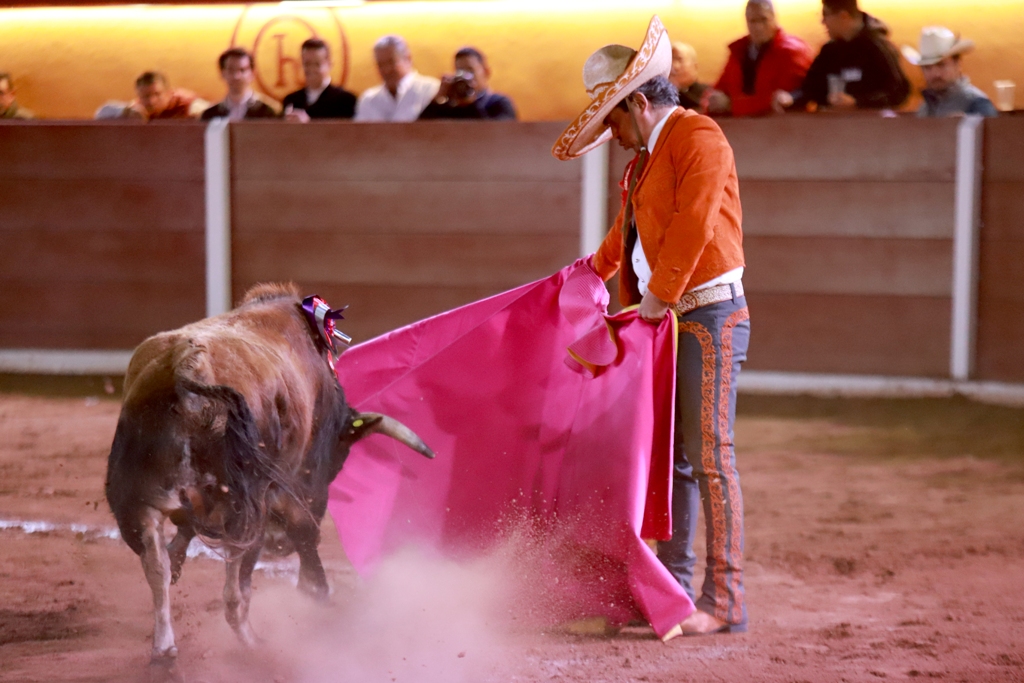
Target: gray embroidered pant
x,y
713,344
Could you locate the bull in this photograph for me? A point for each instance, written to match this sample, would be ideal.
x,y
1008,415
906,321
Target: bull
x,y
233,428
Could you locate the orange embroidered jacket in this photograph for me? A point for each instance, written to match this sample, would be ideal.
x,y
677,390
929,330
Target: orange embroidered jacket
x,y
687,209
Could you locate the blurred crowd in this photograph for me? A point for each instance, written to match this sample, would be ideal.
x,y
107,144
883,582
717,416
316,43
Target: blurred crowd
x,y
404,94
768,71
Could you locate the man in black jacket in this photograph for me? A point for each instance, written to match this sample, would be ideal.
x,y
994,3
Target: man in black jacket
x,y
319,99
465,94
858,68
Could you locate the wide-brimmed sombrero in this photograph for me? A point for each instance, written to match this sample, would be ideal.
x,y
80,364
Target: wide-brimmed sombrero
x,y
609,75
936,43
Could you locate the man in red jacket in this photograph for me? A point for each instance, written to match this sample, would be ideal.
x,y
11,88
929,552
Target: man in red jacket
x,y
767,60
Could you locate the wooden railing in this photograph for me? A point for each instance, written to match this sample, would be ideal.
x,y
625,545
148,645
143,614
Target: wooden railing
x,y
101,233
401,221
850,230
1001,272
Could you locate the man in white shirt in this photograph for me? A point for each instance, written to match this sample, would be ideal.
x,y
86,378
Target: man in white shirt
x,y
241,101
404,93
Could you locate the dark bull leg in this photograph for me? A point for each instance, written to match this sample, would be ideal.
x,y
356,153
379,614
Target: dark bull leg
x,y
157,566
177,549
312,579
237,593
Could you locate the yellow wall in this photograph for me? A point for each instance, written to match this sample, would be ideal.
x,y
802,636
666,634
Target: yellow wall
x,y
68,61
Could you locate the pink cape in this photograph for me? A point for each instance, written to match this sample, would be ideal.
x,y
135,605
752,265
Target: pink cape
x,y
538,403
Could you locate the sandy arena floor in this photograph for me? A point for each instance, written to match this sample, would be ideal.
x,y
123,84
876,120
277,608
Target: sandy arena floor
x,y
885,540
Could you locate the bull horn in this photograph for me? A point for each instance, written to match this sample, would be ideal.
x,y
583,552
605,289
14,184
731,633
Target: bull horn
x,y
389,426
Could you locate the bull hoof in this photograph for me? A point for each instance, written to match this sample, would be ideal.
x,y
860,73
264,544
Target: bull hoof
x,y
163,667
319,592
165,657
247,637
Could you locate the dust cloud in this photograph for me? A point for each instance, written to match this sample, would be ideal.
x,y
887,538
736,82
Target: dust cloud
x,y
418,618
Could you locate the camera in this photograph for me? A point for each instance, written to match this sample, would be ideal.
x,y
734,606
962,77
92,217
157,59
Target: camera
x,y
463,85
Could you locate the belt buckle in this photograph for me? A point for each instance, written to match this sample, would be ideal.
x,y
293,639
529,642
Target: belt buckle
x,y
687,303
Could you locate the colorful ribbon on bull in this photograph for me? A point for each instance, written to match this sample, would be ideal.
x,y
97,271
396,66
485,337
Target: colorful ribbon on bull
x,y
322,319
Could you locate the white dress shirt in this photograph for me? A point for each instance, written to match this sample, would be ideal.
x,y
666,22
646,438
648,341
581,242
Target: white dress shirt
x,y
414,93
640,265
313,95
237,110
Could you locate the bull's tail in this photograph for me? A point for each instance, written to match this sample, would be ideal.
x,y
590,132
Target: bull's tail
x,y
244,474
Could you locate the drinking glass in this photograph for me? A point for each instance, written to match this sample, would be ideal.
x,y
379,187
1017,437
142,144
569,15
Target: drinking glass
x,y
1005,95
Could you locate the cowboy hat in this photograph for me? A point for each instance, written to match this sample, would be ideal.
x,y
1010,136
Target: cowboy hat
x,y
609,75
936,43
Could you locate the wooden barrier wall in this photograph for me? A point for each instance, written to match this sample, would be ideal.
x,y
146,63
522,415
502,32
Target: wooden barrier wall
x,y
401,221
101,233
1001,272
848,227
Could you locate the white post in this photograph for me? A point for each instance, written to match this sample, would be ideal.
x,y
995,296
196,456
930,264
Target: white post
x,y
594,200
218,217
967,212
64,362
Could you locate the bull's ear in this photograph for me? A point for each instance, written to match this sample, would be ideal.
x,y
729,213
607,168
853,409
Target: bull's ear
x,y
361,425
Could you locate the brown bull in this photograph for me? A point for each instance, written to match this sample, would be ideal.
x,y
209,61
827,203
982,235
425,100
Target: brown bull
x,y
232,427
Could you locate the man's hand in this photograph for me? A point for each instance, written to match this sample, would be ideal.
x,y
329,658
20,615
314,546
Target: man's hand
x,y
717,102
295,115
444,91
841,100
653,309
781,101
135,112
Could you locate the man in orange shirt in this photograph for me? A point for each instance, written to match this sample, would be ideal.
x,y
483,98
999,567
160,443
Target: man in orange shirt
x,y
677,246
157,100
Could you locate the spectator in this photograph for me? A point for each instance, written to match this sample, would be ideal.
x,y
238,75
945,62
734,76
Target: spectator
x,y
465,95
156,100
857,68
9,108
404,93
241,102
111,109
319,99
684,77
766,60
948,91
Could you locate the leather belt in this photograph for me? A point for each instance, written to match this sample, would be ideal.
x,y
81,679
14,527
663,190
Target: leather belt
x,y
705,297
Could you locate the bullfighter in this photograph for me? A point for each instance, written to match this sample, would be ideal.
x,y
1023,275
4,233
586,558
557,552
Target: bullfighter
x,y
677,246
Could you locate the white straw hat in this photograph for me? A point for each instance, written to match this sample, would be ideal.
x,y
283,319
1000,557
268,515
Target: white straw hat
x,y
609,75
936,43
